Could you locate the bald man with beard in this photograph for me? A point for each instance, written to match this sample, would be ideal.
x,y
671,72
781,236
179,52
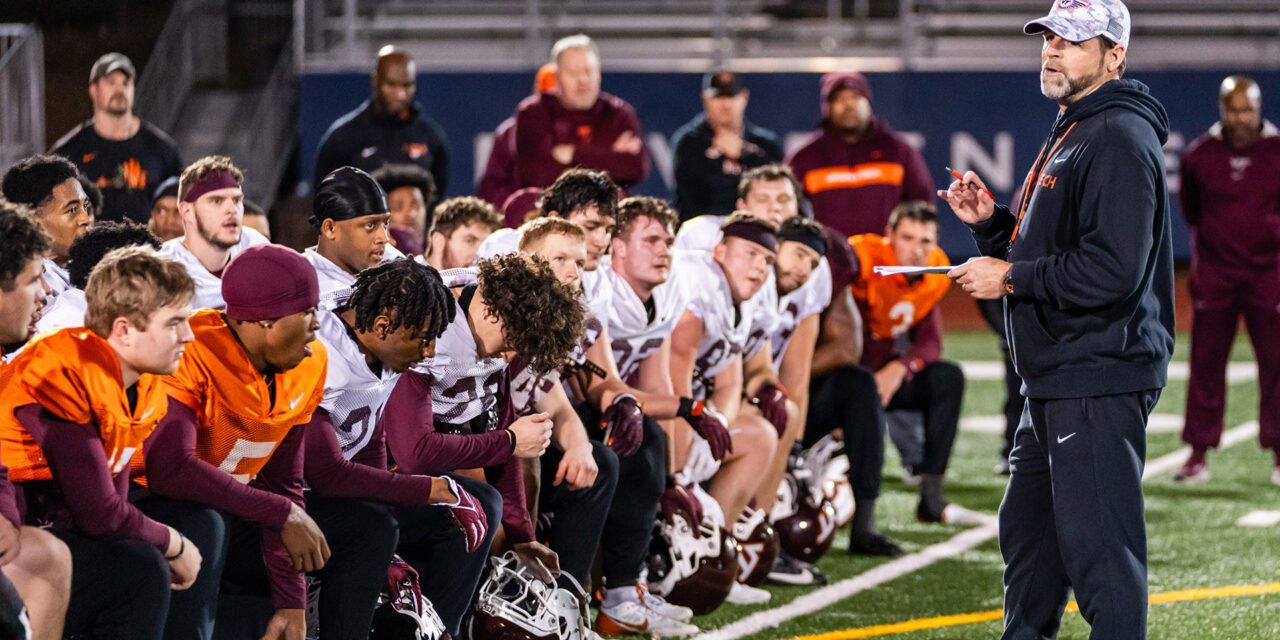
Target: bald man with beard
x,y
388,128
1231,202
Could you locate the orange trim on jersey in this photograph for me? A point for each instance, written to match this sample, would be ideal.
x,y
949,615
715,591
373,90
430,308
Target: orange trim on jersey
x,y
852,177
891,305
75,375
1031,184
238,427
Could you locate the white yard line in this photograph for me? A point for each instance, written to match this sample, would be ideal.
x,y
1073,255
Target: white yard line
x,y
1174,459
834,593
961,542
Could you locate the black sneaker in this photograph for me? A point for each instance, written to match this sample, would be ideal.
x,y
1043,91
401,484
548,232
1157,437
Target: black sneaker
x,y
875,544
788,570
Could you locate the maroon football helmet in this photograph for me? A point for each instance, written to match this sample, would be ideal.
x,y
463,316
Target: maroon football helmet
x,y
757,546
692,568
804,519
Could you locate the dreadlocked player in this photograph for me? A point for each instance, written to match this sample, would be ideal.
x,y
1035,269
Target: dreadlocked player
x,y
375,331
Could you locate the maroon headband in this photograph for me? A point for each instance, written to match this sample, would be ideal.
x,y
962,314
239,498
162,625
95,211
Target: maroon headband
x,y
211,182
756,232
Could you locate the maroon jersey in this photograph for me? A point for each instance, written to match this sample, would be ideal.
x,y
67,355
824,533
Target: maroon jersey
x,y
854,187
1231,200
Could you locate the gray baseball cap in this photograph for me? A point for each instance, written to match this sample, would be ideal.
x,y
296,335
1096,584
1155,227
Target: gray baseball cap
x,y
1080,20
110,62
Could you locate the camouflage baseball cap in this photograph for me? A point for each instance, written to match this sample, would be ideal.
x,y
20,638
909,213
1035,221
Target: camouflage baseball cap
x,y
1080,20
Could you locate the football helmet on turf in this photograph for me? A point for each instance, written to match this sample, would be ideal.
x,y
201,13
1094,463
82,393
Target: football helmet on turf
x,y
513,604
691,567
758,546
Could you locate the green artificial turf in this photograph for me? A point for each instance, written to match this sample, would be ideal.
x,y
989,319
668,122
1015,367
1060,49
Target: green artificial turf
x,y
1192,536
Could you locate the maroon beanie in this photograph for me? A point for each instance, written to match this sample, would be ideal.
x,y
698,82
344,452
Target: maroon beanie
x,y
833,82
518,204
268,282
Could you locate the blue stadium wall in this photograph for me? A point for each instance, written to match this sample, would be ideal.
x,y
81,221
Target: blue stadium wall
x,y
993,123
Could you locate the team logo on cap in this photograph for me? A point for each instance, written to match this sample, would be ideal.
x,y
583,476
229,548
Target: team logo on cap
x,y
1067,5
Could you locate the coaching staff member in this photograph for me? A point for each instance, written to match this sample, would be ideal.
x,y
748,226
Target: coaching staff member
x,y
1085,266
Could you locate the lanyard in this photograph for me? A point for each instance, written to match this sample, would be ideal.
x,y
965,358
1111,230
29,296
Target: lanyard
x,y
1037,170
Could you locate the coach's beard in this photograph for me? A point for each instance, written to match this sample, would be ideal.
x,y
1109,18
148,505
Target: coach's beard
x,y
1065,88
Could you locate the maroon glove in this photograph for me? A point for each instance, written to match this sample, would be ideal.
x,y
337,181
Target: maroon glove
x,y
771,399
623,424
468,515
708,424
677,499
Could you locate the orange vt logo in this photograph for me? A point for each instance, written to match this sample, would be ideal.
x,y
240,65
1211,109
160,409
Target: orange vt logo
x,y
134,176
1048,181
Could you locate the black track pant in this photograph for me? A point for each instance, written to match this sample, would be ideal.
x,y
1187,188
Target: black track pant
x,y
642,478
433,544
1072,517
576,518
119,589
361,536
833,405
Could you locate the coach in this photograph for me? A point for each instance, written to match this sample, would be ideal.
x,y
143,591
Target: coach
x,y
1085,267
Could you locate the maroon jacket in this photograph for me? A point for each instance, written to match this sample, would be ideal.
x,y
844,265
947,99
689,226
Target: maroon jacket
x,y
1231,200
501,176
854,187
542,123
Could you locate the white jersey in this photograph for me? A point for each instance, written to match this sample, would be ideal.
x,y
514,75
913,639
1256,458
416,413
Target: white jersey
x,y
57,278
354,395
463,384
812,297
725,327
67,310
774,318
633,335
500,242
700,233
333,278
209,286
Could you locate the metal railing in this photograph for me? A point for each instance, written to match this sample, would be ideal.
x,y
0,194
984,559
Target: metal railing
x,y
774,35
21,92
191,48
262,149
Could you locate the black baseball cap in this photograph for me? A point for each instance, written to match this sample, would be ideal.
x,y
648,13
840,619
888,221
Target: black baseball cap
x,y
720,84
112,62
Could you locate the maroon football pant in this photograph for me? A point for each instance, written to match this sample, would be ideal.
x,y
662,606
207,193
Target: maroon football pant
x,y
1221,297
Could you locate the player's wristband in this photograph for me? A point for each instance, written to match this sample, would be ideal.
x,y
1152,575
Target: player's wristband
x,y
182,547
689,408
513,440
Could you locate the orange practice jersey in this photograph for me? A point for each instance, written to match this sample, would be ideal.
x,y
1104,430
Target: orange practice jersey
x,y
75,375
890,305
237,427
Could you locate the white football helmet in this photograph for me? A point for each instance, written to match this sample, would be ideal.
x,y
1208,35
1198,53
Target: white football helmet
x,y
513,604
690,567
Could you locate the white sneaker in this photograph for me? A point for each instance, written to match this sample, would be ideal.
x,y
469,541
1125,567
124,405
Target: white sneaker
x,y
664,608
746,594
1275,475
630,617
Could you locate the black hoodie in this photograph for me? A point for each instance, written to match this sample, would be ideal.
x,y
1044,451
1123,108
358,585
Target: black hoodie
x,y
1091,311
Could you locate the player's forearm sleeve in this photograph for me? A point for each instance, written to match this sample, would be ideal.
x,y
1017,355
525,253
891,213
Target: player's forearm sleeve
x,y
175,470
509,480
419,449
98,503
330,474
9,498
